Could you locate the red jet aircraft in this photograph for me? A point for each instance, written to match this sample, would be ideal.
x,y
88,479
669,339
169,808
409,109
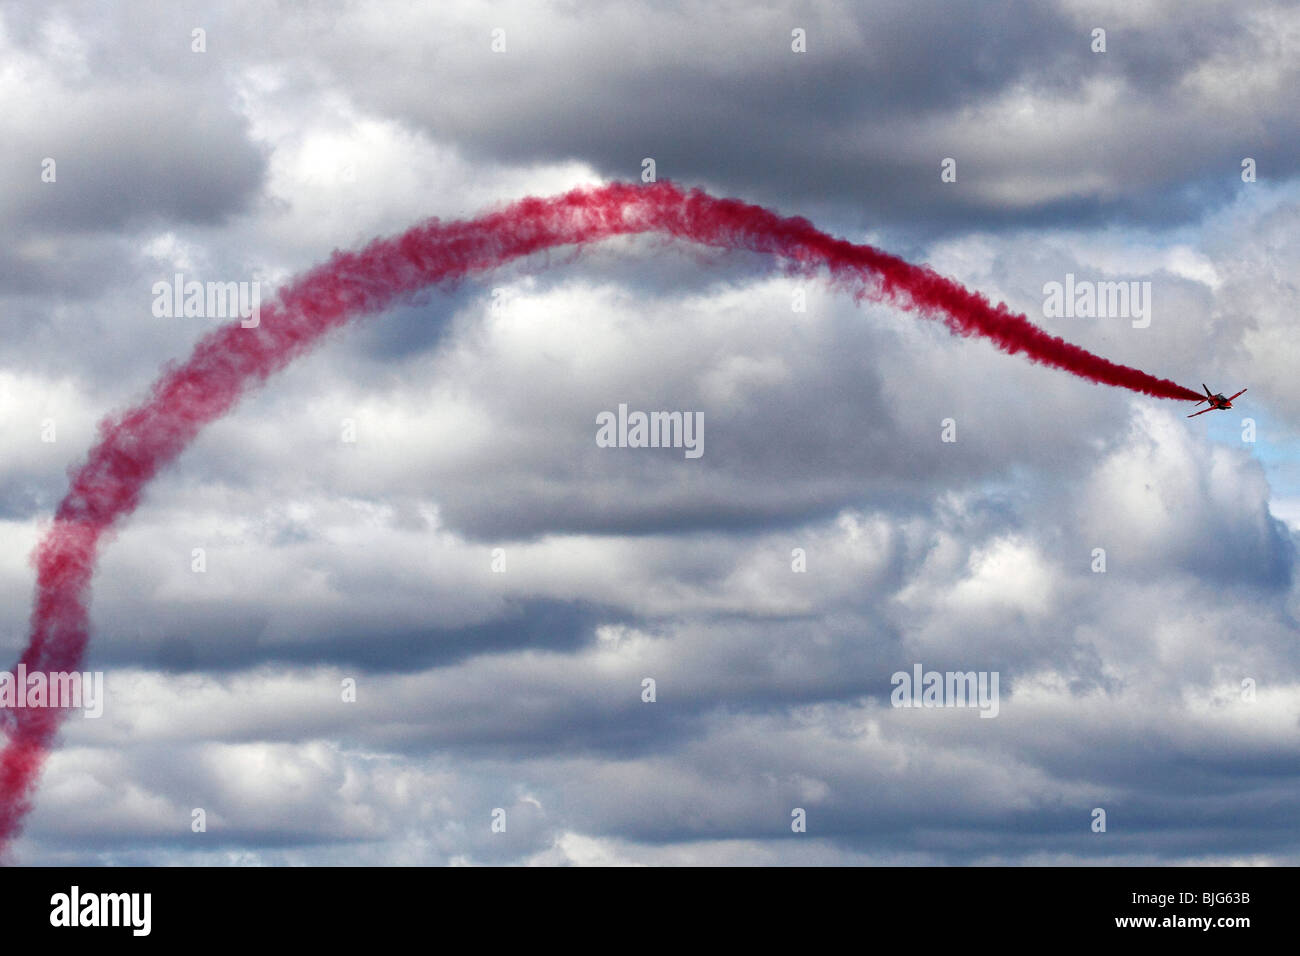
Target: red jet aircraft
x,y
1216,401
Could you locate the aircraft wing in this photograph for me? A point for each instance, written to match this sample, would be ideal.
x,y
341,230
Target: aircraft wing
x,y
1201,412
1231,397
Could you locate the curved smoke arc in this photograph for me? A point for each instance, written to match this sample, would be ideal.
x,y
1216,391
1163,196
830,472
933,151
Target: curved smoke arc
x,y
134,445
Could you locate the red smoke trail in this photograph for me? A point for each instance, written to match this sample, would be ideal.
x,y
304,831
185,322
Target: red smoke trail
x,y
134,446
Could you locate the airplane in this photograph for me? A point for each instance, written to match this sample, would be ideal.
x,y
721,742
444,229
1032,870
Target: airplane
x,y
1217,402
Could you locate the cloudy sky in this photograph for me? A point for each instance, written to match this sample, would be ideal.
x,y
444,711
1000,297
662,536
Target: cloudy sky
x,y
499,587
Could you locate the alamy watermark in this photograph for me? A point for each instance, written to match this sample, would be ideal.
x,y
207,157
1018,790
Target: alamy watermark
x,y
75,908
1085,299
948,689
651,430
60,689
176,299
